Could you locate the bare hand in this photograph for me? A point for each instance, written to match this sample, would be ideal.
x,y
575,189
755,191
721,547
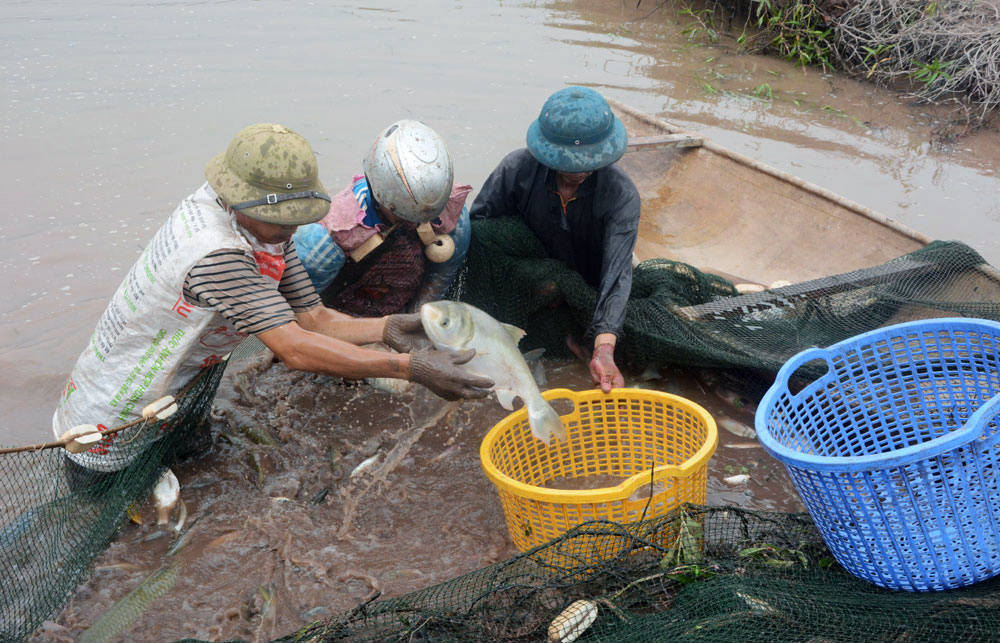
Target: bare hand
x,y
603,370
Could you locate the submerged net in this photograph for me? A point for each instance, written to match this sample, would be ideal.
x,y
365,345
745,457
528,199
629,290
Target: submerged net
x,y
679,315
50,533
698,574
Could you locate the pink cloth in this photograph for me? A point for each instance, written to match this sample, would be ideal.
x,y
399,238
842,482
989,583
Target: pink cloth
x,y
345,220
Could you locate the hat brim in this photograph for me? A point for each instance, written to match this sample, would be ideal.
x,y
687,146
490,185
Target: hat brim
x,y
578,158
233,189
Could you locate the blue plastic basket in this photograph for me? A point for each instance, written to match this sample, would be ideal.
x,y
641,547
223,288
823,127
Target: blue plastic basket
x,y
894,450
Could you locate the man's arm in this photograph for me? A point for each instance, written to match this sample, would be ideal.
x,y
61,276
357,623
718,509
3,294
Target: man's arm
x,y
332,323
303,349
228,282
620,236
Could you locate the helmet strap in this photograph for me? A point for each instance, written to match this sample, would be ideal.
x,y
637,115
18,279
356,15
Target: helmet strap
x,y
275,198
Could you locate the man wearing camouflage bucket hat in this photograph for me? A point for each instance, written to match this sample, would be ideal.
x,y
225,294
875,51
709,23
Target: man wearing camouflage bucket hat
x,y
581,206
222,267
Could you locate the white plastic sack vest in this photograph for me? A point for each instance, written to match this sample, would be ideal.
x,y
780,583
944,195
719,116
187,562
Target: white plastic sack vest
x,y
150,342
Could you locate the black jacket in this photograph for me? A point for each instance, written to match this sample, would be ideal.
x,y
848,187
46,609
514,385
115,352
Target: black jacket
x,y
595,237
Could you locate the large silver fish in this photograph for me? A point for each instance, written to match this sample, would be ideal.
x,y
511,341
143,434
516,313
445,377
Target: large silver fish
x,y
456,326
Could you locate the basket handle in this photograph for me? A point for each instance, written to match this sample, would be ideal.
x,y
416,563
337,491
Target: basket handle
x,y
789,368
988,411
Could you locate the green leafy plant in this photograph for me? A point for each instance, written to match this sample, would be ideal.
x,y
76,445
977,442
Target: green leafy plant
x,y
775,556
877,56
795,31
763,90
692,573
932,72
686,549
702,22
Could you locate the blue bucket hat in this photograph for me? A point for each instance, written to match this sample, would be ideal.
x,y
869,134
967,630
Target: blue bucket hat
x,y
577,132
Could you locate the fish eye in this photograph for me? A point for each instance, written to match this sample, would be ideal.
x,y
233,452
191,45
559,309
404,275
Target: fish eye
x,y
444,322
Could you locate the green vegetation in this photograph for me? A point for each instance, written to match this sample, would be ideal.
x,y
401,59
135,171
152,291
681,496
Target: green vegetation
x,y
942,51
792,29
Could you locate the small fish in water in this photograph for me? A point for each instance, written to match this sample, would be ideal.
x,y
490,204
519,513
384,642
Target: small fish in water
x,y
746,289
133,514
364,466
119,567
456,326
117,619
390,385
166,493
742,445
756,604
267,608
736,428
651,372
734,398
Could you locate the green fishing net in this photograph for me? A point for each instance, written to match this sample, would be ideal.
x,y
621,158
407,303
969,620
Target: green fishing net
x,y
719,574
50,534
679,315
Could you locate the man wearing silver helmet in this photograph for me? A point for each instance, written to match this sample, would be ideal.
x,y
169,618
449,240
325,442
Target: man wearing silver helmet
x,y
224,266
581,206
396,236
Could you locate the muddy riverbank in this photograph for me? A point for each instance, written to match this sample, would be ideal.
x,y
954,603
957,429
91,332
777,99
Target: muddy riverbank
x,y
938,53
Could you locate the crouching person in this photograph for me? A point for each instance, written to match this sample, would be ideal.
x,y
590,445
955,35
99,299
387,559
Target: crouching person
x,y
224,266
395,237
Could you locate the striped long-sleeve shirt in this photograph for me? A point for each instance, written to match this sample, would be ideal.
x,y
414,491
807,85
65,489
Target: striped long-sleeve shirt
x,y
229,282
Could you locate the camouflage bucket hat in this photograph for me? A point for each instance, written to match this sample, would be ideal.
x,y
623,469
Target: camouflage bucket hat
x,y
269,173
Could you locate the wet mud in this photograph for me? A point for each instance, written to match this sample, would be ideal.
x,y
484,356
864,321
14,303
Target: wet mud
x,y
318,495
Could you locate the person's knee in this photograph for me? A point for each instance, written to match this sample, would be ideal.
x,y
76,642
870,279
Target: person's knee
x,y
320,255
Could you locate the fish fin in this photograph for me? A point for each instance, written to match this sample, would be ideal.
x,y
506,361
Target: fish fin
x,y
538,373
535,354
545,422
534,361
515,333
506,398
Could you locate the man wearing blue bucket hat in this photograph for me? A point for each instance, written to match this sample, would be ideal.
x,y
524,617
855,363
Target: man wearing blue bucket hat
x,y
582,207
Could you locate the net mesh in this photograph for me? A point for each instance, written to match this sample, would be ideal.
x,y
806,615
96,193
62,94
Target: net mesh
x,y
678,315
51,534
698,574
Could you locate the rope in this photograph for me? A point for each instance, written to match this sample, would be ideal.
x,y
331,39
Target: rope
x,y
249,346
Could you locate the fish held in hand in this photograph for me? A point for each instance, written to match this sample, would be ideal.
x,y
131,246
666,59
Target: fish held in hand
x,y
452,325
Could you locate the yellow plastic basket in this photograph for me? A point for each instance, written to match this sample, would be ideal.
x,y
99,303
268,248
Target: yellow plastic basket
x,y
623,434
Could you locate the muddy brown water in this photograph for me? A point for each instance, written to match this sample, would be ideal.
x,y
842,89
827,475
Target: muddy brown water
x,y
112,109
330,492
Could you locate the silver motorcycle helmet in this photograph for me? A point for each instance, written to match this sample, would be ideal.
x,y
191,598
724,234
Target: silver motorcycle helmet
x,y
409,171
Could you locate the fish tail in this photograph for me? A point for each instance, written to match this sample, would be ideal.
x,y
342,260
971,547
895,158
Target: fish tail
x,y
545,422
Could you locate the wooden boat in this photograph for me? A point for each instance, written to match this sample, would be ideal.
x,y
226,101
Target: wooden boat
x,y
725,213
